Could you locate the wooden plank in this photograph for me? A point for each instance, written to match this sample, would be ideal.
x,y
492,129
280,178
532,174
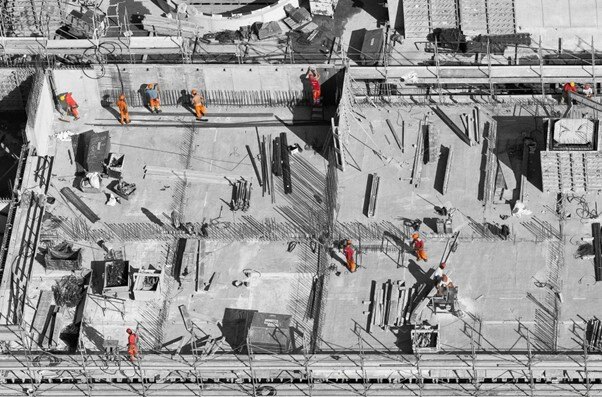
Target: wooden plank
x,y
200,267
390,124
213,280
448,167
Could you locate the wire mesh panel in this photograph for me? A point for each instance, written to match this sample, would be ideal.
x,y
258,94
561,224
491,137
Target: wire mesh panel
x,y
500,17
443,14
416,18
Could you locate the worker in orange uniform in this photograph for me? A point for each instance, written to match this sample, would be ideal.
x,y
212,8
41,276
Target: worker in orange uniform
x,y
314,80
154,103
123,110
418,245
349,256
71,105
132,344
568,87
199,104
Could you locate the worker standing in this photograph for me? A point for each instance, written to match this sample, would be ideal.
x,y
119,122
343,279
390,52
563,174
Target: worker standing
x,y
154,103
314,80
568,87
132,344
71,105
199,104
123,110
349,256
418,245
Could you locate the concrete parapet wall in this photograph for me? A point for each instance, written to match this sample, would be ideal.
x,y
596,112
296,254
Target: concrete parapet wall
x,y
40,114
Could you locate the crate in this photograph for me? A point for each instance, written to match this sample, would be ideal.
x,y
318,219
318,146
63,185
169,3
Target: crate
x,y
425,339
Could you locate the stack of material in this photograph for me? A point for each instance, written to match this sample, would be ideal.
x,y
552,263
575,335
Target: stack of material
x,y
241,195
391,305
268,30
323,7
162,26
425,339
593,334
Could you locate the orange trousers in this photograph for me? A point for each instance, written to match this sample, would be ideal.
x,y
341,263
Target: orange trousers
x,y
316,96
133,351
154,104
125,117
74,112
200,110
351,266
421,255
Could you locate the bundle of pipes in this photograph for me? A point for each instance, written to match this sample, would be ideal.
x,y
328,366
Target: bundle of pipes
x,y
241,195
390,305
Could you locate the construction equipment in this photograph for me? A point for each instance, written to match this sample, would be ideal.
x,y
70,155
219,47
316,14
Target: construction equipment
x,y
425,338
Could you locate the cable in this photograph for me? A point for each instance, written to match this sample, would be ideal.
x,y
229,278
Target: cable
x,y
583,212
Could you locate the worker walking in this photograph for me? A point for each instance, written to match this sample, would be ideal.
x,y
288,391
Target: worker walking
x,y
349,256
71,105
568,87
199,104
132,344
154,103
123,110
314,80
418,245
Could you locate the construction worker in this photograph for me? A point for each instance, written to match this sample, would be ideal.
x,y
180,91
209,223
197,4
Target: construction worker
x,y
439,273
199,104
123,110
349,256
132,344
154,103
588,91
418,245
71,105
444,284
568,87
314,80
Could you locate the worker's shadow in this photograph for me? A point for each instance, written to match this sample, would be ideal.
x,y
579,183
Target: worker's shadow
x,y
184,100
143,97
106,103
334,254
421,276
152,217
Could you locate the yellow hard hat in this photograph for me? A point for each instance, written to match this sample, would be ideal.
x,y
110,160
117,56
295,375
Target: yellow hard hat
x,y
572,83
62,97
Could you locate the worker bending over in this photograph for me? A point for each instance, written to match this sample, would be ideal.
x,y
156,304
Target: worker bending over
x,y
154,103
132,344
199,104
314,80
349,256
419,250
71,105
588,91
124,114
444,284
